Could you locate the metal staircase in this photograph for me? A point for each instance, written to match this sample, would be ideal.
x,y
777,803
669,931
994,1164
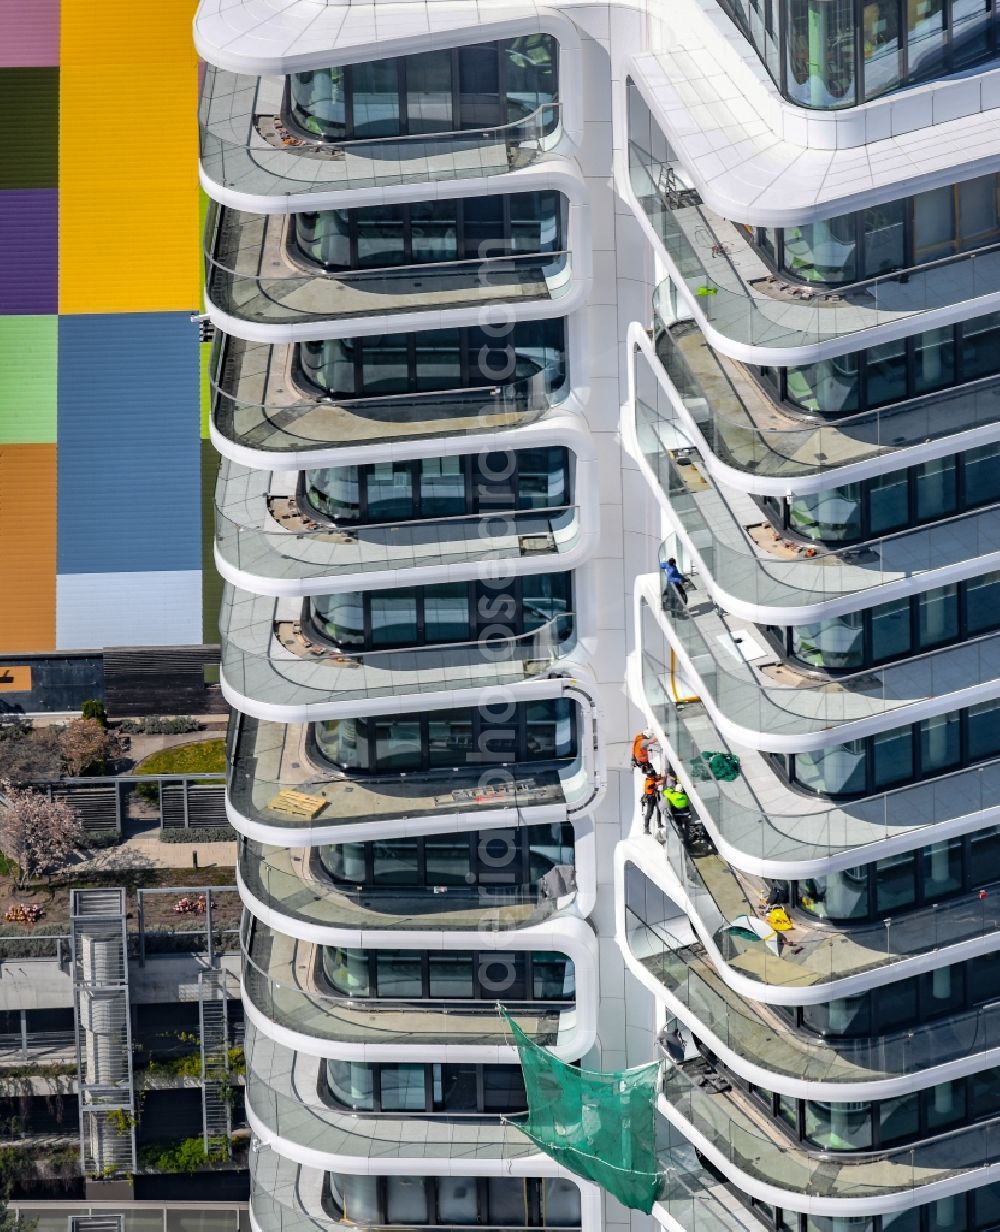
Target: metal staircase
x,y
103,1030
216,1107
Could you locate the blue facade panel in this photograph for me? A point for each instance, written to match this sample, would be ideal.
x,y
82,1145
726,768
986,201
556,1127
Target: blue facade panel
x,y
128,433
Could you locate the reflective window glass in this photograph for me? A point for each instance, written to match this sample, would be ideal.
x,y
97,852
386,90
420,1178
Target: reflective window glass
x,y
507,1200
925,36
451,975
381,235
395,862
982,602
981,346
896,882
835,644
455,1087
969,37
940,743
880,38
820,48
895,1005
442,487
888,502
390,490
449,737
434,231
893,757
983,730
429,92
944,1105
393,617
352,1084
884,229
978,219
937,616
823,251
936,488
942,868
457,1199
942,991
982,475
399,974
836,771
406,1200
886,371
899,1120
933,222
447,613
829,387
375,98
933,359
403,1088
832,515
447,860
838,896
891,633
838,1127
397,743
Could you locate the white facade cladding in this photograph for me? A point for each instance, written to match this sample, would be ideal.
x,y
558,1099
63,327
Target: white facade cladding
x,y
518,310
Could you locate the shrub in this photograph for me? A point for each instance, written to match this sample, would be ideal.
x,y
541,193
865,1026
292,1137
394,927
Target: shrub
x,y
171,726
198,834
187,1155
93,708
39,833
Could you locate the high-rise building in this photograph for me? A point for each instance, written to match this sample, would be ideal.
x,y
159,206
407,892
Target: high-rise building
x,y
577,371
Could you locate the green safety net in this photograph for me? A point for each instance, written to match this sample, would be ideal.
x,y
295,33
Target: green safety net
x,y
722,766
598,1126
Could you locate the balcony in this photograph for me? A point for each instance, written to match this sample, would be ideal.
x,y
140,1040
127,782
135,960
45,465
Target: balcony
x,y
273,659
264,535
283,1095
262,416
246,150
279,792
754,571
739,301
757,1154
771,705
762,825
294,885
750,1030
282,982
251,275
746,430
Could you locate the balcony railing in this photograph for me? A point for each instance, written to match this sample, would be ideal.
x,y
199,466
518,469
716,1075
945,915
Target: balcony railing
x,y
281,662
243,150
325,551
735,293
731,412
248,277
290,885
259,406
739,1025
804,576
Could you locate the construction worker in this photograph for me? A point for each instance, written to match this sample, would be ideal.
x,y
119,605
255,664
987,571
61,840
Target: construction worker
x,y
675,585
680,808
642,746
651,801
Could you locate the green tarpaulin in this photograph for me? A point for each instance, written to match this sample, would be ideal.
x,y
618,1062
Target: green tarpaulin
x,y
599,1126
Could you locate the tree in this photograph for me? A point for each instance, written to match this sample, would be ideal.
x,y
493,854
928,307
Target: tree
x,y
30,755
85,744
39,834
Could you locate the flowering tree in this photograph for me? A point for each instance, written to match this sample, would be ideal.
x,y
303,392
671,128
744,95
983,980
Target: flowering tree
x,y
39,834
85,744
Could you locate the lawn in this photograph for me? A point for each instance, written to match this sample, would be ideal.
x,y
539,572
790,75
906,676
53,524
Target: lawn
x,y
199,757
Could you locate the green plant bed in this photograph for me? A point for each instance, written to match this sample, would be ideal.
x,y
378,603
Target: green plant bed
x,y
198,834
198,757
187,1155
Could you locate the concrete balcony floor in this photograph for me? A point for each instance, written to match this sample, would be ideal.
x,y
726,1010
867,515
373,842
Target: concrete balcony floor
x,y
245,147
277,783
282,979
748,430
286,1094
294,884
264,529
254,274
259,404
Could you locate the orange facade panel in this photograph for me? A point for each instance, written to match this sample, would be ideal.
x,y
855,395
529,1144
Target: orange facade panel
x,y
28,547
128,158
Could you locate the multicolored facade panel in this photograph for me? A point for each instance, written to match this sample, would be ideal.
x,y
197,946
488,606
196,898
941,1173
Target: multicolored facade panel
x,y
103,468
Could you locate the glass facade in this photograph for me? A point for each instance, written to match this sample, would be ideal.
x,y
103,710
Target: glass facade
x,y
462,229
893,372
942,222
436,360
897,500
441,487
904,882
489,1090
488,736
449,975
496,1201
448,612
830,54
901,755
898,629
879,1124
495,860
486,85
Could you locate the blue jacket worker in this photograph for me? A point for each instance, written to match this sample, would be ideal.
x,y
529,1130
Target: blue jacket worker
x,y
673,576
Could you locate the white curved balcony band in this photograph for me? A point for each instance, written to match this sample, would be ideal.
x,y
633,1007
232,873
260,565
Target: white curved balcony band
x,y
296,557
286,1196
283,888
800,165
740,1033
791,838
284,1002
277,795
287,1113
754,584
717,273
291,429
273,670
248,162
828,964
715,404
774,1170
753,710
254,290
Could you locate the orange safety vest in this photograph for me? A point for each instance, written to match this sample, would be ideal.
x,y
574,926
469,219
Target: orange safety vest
x,y
652,782
638,752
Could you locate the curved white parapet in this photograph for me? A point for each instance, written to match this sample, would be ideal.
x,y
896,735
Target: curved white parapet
x,y
750,1067
822,479
567,934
